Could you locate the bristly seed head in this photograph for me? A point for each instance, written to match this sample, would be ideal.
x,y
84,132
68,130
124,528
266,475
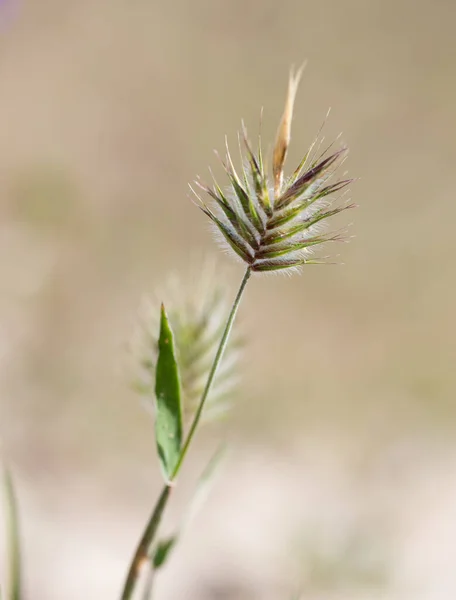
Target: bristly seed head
x,y
197,308
275,225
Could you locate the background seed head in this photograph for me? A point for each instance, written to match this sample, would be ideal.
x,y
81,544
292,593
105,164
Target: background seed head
x,y
275,224
197,308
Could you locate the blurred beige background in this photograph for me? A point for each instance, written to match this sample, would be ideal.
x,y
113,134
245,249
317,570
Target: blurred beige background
x,y
342,478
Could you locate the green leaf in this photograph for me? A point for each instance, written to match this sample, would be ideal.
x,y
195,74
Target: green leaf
x,y
164,547
168,422
13,545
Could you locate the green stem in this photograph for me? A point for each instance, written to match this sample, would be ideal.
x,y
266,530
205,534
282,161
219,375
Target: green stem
x,y
149,534
14,553
141,554
212,373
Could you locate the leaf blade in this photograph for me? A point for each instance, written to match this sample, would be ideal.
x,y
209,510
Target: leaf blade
x,y
13,591
168,421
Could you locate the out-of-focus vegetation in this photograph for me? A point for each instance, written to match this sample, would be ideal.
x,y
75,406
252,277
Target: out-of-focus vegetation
x,y
107,110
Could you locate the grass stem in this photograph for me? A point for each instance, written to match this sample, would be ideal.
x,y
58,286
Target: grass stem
x,y
14,591
142,551
212,373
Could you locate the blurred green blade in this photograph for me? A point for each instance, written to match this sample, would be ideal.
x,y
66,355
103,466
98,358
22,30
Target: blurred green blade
x,y
204,484
13,591
168,422
164,547
162,551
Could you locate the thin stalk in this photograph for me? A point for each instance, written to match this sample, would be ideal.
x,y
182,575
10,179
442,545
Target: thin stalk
x,y
142,551
14,552
212,373
148,537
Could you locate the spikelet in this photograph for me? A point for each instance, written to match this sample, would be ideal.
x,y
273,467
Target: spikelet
x,y
197,310
275,225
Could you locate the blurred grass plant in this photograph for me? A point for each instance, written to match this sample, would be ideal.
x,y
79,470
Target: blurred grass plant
x,y
271,224
197,310
13,585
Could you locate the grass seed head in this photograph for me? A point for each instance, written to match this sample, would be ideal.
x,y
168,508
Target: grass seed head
x,y
197,310
275,224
